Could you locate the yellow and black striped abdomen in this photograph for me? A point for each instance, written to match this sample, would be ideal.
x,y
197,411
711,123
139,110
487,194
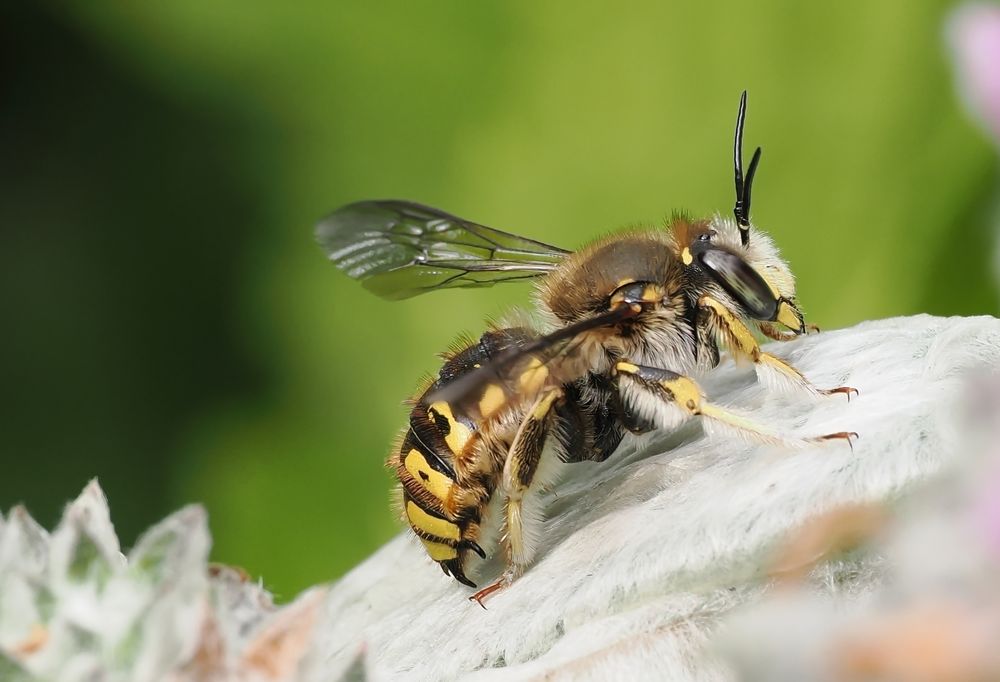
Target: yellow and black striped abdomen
x,y
444,487
426,470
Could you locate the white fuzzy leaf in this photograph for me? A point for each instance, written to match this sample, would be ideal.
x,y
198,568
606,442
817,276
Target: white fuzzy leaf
x,y
24,595
246,603
173,557
83,549
276,651
24,544
12,671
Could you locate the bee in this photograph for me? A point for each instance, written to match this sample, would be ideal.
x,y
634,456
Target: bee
x,y
625,321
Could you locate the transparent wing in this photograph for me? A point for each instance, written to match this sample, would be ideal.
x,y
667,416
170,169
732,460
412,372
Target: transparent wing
x,y
400,249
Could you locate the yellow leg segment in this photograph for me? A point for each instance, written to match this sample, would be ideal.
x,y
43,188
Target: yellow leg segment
x,y
741,342
519,470
653,391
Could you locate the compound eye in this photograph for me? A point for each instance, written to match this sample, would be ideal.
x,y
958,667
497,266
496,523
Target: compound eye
x,y
698,246
741,282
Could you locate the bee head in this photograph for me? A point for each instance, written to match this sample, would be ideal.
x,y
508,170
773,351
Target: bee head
x,y
757,296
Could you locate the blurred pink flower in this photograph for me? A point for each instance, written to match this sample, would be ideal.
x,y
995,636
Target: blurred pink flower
x,y
974,37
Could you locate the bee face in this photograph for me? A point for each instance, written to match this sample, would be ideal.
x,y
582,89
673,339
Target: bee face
x,y
626,319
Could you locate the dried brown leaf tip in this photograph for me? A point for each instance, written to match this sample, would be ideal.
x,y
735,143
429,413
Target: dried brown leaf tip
x,y
825,536
228,572
209,660
276,651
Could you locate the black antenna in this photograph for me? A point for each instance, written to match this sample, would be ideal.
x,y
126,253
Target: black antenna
x,y
742,208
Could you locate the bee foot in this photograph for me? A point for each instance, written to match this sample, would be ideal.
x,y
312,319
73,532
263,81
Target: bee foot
x,y
849,436
504,582
482,594
846,390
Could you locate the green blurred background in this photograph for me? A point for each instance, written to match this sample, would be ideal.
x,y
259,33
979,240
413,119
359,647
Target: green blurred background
x,y
170,326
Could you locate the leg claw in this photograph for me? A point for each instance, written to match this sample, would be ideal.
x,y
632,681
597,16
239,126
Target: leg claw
x,y
472,545
847,390
849,436
482,594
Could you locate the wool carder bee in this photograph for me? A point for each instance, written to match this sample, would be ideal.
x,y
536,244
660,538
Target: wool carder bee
x,y
623,323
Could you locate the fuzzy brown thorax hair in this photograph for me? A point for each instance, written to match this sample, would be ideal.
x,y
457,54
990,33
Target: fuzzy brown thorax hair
x,y
583,284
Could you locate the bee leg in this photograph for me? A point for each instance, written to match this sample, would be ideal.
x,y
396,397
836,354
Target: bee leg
x,y
771,370
519,470
772,332
632,419
669,399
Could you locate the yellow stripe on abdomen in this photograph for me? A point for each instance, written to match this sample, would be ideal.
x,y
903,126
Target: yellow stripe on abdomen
x,y
436,483
533,377
457,433
492,400
431,525
439,551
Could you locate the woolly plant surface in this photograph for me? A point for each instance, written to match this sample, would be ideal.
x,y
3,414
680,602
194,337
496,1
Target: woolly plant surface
x,y
73,608
643,556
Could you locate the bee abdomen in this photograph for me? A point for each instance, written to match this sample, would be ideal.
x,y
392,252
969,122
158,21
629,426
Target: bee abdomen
x,y
424,476
439,536
444,486
428,479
